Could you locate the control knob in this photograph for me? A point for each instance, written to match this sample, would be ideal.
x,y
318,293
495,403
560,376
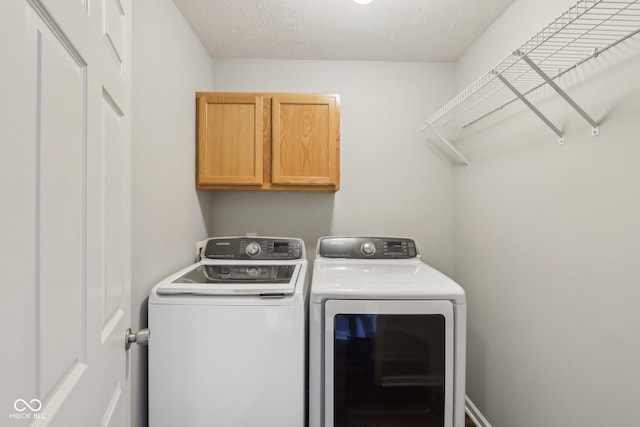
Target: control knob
x,y
253,271
253,249
368,248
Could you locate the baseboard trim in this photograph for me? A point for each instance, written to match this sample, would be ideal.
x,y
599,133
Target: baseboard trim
x,y
476,416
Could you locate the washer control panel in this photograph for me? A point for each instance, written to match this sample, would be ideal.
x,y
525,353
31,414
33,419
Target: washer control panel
x,y
367,247
254,248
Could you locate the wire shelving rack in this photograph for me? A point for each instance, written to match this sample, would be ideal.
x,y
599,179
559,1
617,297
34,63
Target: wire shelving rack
x,y
583,32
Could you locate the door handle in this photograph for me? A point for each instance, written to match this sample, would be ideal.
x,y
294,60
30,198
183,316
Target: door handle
x,y
141,338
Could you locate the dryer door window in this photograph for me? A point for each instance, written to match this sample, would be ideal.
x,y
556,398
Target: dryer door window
x,y
389,363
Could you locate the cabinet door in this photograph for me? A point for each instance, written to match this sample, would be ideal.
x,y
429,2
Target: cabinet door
x,y
305,140
230,139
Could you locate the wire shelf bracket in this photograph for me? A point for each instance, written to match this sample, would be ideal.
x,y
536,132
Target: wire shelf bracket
x,y
458,154
531,106
595,128
584,31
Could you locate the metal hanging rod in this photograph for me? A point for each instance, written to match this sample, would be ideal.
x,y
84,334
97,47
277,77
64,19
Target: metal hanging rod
x,y
587,29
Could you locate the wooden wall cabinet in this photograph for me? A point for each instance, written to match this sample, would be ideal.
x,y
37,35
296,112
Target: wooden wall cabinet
x,y
265,141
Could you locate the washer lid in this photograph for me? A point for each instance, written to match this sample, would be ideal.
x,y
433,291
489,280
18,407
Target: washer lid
x,y
234,279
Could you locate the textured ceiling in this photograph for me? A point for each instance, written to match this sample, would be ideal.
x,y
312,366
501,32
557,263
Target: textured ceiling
x,y
384,30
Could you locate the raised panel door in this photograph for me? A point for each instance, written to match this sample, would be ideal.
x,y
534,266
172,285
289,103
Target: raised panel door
x,y
230,139
66,252
305,140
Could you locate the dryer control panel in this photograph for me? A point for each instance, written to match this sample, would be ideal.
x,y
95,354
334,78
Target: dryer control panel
x,y
367,247
254,248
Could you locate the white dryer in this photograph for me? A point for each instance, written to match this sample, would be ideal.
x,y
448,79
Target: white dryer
x,y
227,337
387,337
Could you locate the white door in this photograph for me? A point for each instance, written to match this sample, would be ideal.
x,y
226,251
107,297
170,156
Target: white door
x,y
65,181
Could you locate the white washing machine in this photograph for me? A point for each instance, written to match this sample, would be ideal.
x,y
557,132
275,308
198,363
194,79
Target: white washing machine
x,y
227,337
387,337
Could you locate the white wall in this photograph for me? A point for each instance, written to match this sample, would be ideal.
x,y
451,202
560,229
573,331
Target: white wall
x,y
392,181
547,243
170,65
